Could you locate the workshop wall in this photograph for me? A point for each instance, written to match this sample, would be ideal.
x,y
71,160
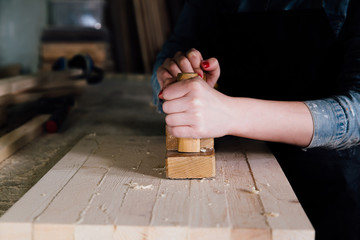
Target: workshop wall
x,y
21,24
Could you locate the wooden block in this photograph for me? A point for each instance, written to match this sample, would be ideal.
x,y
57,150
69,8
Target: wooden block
x,y
16,139
116,192
206,144
172,143
189,145
190,165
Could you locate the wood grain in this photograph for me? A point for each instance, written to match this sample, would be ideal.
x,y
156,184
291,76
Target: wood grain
x,y
190,165
113,187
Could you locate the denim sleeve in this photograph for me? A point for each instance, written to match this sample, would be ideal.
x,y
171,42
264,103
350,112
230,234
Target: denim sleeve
x,y
337,119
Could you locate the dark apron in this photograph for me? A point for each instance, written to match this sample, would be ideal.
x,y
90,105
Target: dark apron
x,y
294,55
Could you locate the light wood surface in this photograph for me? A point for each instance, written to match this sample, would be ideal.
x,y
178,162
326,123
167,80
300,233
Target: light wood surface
x,y
17,138
113,187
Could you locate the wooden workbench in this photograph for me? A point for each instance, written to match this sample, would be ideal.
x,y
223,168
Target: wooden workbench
x,y
111,185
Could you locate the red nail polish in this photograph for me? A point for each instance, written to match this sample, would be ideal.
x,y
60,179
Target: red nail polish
x,y
160,94
200,75
206,64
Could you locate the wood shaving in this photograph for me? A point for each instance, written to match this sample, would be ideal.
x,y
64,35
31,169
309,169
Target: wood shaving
x,y
136,186
159,169
271,214
254,190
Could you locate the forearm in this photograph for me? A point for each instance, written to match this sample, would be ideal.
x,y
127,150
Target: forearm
x,y
286,122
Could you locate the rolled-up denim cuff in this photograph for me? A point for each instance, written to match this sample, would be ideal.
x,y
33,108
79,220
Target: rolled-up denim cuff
x,y
156,89
330,123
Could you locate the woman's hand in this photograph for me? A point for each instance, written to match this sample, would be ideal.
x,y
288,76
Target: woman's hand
x,y
192,61
196,110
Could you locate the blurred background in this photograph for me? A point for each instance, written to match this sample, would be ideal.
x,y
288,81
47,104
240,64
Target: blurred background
x,y
121,36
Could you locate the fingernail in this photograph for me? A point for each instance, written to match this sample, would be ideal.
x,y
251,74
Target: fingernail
x,y
160,94
206,64
200,75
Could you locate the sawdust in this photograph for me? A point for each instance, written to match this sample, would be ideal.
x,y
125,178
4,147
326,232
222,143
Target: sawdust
x,y
271,214
136,186
255,191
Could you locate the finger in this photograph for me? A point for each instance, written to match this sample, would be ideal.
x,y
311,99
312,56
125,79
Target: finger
x,y
183,62
175,106
182,88
178,119
195,59
162,76
169,81
212,68
182,131
171,66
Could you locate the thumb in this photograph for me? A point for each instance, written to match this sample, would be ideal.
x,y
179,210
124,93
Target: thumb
x,y
212,68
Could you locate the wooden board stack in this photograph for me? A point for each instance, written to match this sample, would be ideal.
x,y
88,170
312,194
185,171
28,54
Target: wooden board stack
x,y
189,157
113,187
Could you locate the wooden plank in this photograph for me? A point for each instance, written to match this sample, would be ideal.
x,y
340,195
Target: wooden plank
x,y
22,83
118,191
245,206
279,200
10,70
17,138
52,51
17,223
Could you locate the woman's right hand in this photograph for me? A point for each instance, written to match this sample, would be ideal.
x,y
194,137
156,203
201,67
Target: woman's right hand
x,y
191,61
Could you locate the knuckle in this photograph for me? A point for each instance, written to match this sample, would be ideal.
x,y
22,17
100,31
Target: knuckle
x,y
195,85
183,61
165,107
215,61
162,73
173,68
198,118
195,104
176,132
168,120
178,53
193,52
